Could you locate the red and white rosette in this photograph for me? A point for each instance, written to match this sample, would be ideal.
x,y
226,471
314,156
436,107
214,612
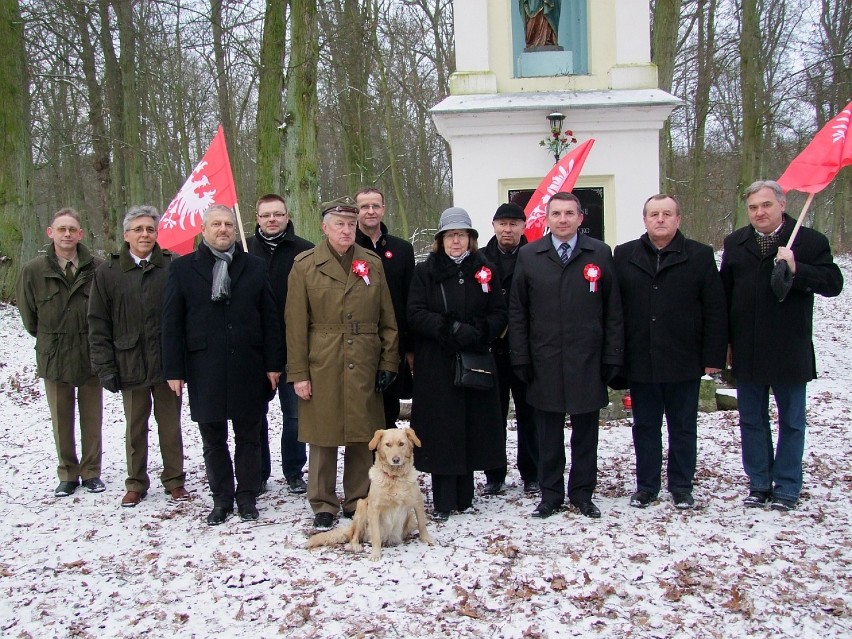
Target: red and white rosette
x,y
483,276
592,273
362,270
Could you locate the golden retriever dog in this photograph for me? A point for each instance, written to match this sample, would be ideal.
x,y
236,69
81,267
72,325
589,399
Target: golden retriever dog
x,y
394,506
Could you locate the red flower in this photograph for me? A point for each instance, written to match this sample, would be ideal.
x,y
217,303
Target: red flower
x,y
483,275
360,268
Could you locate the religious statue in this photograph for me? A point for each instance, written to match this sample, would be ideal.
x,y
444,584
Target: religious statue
x,y
541,24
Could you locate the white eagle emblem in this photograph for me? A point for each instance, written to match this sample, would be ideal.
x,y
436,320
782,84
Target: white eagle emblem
x,y
194,197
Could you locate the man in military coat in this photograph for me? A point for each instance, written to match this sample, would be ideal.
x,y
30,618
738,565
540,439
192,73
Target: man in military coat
x,y
342,353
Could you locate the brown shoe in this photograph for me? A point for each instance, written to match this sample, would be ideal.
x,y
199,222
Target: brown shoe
x,y
179,494
131,499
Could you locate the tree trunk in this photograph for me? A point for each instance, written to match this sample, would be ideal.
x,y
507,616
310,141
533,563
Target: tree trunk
x,y
753,100
17,223
270,88
223,91
300,140
666,20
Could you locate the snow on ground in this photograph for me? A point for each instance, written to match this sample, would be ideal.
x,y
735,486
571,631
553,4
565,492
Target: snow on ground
x,y
84,567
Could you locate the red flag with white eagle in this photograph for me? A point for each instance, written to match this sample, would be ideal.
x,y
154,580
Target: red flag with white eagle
x,y
830,150
210,183
562,177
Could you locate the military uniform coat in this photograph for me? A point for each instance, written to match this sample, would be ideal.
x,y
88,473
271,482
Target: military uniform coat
x,y
566,332
125,310
340,333
222,350
771,341
675,318
54,312
461,428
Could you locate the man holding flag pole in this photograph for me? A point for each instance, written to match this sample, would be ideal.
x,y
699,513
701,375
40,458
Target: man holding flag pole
x,y
770,313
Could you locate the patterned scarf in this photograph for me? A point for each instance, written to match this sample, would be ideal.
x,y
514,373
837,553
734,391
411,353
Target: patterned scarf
x,y
221,279
768,242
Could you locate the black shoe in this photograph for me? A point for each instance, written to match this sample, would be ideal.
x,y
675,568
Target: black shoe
x,y
493,488
683,501
783,505
248,512
544,510
588,509
440,515
65,488
642,499
94,485
296,485
532,487
218,515
323,521
756,499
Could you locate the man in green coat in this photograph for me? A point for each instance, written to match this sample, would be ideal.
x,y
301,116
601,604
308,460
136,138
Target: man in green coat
x,y
53,296
342,353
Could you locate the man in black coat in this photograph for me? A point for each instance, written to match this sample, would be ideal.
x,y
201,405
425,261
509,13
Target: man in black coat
x,y
502,251
771,341
566,336
275,241
397,257
675,329
222,337
125,313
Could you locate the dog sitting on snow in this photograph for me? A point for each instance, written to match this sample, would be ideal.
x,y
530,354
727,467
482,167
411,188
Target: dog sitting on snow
x,y
393,508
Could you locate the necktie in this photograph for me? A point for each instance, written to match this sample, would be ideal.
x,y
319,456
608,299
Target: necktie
x,y
69,272
143,264
564,252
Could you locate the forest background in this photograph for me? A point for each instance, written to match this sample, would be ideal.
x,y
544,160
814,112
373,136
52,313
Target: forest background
x,y
109,103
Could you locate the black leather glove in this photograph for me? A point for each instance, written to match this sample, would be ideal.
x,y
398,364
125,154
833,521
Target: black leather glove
x,y
609,372
383,380
111,383
523,372
466,336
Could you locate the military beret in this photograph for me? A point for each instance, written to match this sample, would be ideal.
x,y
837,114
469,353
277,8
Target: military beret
x,y
341,206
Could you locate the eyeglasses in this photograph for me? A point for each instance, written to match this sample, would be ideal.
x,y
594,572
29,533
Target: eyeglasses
x,y
62,230
456,236
277,215
150,230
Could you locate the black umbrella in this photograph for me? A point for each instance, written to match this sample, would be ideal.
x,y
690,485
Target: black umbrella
x,y
781,280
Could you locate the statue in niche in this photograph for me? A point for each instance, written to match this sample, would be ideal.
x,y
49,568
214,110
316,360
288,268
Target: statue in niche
x,y
541,24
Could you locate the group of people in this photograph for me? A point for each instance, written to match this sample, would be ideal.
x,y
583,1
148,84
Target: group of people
x,y
345,329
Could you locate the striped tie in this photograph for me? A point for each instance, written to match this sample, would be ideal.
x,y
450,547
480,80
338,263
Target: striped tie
x,y
564,252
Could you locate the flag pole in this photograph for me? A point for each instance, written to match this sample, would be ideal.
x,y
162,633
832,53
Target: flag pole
x,y
801,219
240,224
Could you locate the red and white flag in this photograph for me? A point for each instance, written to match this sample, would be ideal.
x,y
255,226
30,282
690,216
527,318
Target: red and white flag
x,y
562,177
830,150
210,183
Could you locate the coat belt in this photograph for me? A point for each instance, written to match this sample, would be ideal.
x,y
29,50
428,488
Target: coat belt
x,y
349,328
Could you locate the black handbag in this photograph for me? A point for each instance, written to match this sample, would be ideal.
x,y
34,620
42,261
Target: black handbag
x,y
471,369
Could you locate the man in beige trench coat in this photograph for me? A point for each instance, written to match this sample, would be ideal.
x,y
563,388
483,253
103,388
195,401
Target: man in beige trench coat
x,y
342,352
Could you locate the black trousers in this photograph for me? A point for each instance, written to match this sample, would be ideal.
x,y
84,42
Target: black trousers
x,y
679,402
527,458
246,466
452,492
583,475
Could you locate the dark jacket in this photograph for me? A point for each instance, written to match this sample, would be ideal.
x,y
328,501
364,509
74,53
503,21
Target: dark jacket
x,y
398,261
771,341
504,270
222,349
278,264
566,332
461,429
54,312
675,319
125,311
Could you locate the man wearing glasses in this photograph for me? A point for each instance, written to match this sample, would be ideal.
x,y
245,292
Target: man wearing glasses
x,y
53,293
275,241
125,311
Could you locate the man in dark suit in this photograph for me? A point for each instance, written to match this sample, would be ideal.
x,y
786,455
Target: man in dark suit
x,y
275,241
771,341
397,257
675,330
502,251
222,337
565,308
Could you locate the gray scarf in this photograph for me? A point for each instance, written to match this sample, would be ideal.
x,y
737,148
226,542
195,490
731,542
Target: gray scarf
x,y
221,279
460,258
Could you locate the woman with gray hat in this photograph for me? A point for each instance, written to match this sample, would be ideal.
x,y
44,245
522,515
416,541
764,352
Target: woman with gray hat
x,y
454,304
